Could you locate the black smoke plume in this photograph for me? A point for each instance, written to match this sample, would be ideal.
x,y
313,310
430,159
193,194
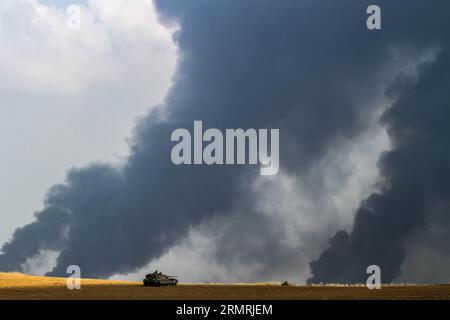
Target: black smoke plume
x,y
309,68
417,174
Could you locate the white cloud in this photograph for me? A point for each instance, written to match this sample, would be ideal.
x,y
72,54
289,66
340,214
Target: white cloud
x,y
69,97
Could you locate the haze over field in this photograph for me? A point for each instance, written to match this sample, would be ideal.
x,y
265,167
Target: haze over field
x,y
20,287
363,117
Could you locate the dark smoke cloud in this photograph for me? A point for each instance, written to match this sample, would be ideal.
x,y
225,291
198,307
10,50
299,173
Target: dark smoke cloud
x,y
417,174
310,68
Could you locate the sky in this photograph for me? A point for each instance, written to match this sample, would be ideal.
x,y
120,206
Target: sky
x,y
87,116
71,97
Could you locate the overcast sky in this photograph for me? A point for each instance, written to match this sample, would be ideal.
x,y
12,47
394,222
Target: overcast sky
x,y
86,116
70,97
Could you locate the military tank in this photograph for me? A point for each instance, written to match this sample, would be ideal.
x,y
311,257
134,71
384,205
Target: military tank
x,y
157,279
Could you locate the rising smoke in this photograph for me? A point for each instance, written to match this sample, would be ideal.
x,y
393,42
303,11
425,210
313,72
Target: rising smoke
x,y
311,69
417,191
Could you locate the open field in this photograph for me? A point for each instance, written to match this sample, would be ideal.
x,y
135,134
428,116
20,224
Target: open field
x,y
18,287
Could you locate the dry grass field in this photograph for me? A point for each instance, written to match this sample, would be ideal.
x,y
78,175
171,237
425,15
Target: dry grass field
x,y
15,286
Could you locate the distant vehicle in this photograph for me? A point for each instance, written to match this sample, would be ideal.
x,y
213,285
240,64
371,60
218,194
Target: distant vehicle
x,y
157,279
